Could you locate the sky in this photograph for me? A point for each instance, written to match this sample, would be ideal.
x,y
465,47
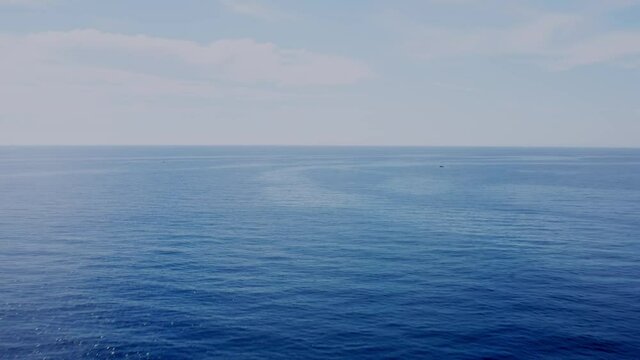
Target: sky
x,y
330,72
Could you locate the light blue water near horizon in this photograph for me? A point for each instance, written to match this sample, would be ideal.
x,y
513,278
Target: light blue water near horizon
x,y
319,252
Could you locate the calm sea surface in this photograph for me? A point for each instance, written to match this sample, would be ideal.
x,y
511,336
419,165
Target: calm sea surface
x,y
313,253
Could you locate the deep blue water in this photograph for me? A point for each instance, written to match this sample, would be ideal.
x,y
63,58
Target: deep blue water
x,y
311,253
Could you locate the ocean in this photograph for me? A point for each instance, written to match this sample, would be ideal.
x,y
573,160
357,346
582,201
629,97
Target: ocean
x,y
319,252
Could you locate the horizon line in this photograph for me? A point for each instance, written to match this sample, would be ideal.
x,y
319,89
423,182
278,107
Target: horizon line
x,y
331,146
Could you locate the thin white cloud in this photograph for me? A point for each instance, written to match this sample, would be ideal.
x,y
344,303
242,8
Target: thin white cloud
x,y
88,86
25,3
242,61
254,9
536,37
559,41
617,46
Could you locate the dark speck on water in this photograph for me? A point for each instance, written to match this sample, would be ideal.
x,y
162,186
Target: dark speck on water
x,y
315,253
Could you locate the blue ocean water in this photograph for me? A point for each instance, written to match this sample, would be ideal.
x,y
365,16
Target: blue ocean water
x,y
319,252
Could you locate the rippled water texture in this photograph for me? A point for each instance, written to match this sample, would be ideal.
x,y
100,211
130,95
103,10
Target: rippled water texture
x,y
287,252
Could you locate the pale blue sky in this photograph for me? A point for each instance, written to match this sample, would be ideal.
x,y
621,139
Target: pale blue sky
x,y
412,72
